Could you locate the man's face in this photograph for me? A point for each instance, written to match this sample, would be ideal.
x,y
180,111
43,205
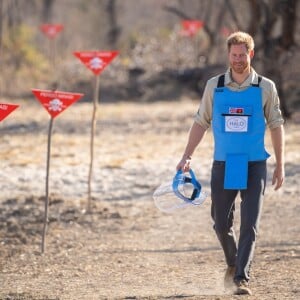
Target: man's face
x,y
240,58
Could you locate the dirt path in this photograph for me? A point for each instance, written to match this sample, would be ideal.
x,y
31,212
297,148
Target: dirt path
x,y
126,248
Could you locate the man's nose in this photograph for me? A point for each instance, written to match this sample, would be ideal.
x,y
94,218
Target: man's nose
x,y
237,58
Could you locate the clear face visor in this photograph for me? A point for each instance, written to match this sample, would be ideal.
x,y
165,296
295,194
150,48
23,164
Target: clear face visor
x,y
183,191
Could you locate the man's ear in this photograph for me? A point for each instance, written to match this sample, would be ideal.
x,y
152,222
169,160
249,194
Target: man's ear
x,y
251,54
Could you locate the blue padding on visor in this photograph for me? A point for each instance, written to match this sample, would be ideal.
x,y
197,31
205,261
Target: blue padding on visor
x,y
180,179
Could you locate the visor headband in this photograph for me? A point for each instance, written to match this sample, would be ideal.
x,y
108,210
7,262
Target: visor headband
x,y
180,179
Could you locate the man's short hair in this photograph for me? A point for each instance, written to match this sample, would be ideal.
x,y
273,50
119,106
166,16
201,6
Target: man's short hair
x,y
240,37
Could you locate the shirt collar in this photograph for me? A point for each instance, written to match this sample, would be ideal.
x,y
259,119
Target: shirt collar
x,y
251,79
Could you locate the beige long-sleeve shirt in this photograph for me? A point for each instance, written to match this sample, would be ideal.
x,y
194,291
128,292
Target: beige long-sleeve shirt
x,y
270,99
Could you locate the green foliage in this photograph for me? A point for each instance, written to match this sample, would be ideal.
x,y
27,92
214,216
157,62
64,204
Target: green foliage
x,y
22,60
19,45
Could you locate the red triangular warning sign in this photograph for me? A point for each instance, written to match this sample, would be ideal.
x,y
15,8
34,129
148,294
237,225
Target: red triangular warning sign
x,y
96,61
191,27
51,30
55,102
6,109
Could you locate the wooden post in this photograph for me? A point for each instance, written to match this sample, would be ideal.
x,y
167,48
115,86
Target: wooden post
x,y
93,130
47,186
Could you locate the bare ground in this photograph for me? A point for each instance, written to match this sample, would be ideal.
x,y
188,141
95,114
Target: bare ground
x,y
126,248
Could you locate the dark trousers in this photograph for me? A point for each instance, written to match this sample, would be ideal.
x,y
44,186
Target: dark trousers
x,y
222,211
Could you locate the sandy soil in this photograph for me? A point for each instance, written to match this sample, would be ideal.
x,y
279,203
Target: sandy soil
x,y
126,248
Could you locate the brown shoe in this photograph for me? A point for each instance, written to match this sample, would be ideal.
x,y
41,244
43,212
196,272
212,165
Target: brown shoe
x,y
228,278
242,288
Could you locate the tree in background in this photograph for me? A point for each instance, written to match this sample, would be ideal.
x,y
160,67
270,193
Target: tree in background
x,y
114,30
276,45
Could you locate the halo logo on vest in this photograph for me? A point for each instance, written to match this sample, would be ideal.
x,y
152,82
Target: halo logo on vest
x,y
236,124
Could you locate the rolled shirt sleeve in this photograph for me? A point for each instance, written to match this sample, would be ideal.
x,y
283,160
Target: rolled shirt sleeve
x,y
271,101
204,114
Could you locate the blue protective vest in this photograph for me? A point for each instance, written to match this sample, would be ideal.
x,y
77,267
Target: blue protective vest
x,y
238,125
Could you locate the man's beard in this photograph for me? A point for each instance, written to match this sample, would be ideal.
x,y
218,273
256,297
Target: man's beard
x,y
239,67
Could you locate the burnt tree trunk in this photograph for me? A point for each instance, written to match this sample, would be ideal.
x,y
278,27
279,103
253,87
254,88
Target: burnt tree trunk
x,y
275,47
47,10
114,30
265,16
1,27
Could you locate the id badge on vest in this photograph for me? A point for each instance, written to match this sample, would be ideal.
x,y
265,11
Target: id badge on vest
x,y
236,123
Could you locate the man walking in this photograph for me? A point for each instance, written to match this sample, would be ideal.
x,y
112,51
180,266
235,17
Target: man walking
x,y
238,105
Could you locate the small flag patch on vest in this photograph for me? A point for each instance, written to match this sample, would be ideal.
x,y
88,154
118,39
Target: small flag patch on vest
x,y
236,110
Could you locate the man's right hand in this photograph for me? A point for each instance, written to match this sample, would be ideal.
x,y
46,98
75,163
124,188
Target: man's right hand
x,y
184,165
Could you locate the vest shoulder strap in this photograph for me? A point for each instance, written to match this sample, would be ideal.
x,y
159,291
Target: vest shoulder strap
x,y
258,81
221,81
